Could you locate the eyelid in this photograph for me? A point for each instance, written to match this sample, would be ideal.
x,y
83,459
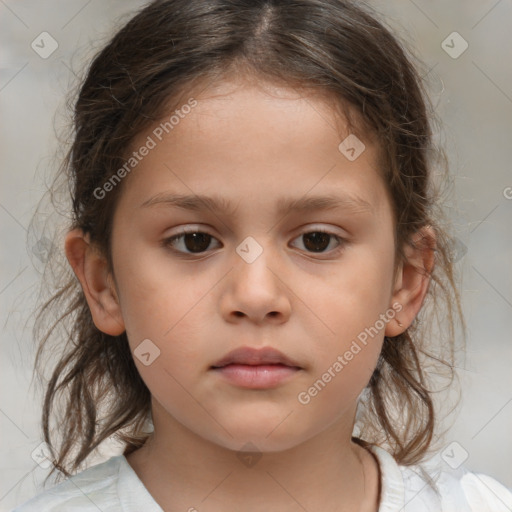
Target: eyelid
x,y
308,228
189,229
342,240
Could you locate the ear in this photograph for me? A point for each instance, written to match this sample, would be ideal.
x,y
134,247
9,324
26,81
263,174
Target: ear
x,y
90,267
413,279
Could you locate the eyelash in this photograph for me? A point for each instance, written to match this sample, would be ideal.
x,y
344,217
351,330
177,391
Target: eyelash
x,y
167,242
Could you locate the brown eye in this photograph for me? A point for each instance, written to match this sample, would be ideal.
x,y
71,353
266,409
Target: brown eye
x,y
199,242
193,242
318,241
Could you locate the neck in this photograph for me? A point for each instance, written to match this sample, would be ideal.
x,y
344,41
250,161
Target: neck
x,y
329,472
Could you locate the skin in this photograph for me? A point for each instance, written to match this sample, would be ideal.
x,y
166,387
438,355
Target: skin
x,y
253,144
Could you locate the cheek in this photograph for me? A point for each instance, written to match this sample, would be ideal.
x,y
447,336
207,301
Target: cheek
x,y
171,306
358,290
354,306
174,393
157,297
333,394
171,364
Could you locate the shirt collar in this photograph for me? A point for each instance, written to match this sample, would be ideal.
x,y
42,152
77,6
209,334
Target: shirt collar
x,y
392,492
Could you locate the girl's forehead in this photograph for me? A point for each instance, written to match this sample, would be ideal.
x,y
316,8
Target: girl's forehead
x,y
252,140
238,92
265,158
275,114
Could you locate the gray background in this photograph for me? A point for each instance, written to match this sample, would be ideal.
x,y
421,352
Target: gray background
x,y
473,94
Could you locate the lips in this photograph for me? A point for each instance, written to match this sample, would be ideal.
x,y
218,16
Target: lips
x,y
255,357
256,369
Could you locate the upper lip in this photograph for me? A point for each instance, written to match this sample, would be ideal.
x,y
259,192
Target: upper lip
x,y
255,356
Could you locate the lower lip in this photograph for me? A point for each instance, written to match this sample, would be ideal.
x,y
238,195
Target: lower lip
x,y
257,376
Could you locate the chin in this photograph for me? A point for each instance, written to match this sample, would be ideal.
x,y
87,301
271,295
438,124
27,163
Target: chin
x,y
267,432
258,443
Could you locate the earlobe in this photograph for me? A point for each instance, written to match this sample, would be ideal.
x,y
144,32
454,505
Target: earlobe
x,y
90,267
413,279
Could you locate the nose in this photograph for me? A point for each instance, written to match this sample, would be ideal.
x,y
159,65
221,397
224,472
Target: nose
x,y
256,290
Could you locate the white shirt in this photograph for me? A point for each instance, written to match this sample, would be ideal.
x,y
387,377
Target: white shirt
x,y
113,486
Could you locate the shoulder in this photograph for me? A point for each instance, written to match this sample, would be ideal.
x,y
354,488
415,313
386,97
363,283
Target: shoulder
x,y
92,489
435,486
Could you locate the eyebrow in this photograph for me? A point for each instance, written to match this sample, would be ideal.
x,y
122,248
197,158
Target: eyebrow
x,y
221,205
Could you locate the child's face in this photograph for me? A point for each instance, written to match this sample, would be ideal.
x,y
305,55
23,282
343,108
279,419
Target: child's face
x,y
308,296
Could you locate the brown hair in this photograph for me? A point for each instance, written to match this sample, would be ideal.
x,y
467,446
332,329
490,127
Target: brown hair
x,y
333,47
